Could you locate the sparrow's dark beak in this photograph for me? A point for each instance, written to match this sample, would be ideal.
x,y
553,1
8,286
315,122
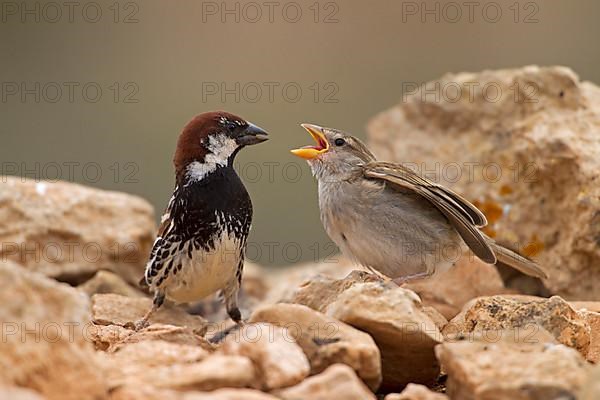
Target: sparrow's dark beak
x,y
252,135
310,152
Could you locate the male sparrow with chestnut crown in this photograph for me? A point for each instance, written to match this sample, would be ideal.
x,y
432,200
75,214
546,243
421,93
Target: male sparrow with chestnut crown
x,y
201,241
389,219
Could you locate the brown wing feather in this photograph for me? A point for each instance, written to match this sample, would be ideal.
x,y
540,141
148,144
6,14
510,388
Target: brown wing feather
x,y
477,216
465,222
463,205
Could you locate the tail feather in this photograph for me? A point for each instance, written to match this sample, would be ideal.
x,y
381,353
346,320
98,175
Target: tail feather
x,y
516,261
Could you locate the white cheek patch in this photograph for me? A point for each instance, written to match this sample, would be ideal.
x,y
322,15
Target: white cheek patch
x,y
220,148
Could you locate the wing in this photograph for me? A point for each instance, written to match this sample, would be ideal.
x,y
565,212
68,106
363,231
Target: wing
x,y
168,242
161,257
461,214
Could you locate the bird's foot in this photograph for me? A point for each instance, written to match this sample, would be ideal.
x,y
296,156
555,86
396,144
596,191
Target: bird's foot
x,y
158,300
376,276
140,324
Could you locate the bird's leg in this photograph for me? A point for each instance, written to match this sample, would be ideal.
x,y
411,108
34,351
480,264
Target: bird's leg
x,y
405,279
230,296
159,298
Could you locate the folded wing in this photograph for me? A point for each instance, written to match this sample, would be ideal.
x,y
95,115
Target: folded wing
x,y
461,214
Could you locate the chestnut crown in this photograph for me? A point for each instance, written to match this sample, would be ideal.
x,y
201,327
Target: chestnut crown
x,y
213,139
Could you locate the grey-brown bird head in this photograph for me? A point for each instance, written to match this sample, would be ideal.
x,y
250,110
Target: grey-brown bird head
x,y
211,140
336,154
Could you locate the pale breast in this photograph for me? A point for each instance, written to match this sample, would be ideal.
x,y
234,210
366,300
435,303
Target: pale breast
x,y
398,234
206,271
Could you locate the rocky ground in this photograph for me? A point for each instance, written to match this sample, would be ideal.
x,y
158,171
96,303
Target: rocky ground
x,y
71,257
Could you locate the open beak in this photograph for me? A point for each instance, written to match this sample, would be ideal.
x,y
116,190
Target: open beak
x,y
252,135
311,152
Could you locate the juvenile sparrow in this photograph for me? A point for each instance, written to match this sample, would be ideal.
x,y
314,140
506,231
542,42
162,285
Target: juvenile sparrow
x,y
201,241
390,219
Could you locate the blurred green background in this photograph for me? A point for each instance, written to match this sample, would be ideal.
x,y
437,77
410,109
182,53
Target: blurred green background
x,y
277,64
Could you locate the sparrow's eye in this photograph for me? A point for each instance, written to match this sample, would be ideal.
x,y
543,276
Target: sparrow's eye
x,y
231,126
339,142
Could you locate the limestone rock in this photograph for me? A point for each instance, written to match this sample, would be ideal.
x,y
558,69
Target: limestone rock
x,y
284,281
114,309
229,394
278,360
152,353
593,320
402,330
68,231
593,306
111,337
523,145
43,346
170,333
104,337
152,393
509,370
590,310
320,291
134,392
325,340
336,382
212,372
438,319
416,392
449,291
393,316
591,388
497,313
129,364
109,282
18,393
